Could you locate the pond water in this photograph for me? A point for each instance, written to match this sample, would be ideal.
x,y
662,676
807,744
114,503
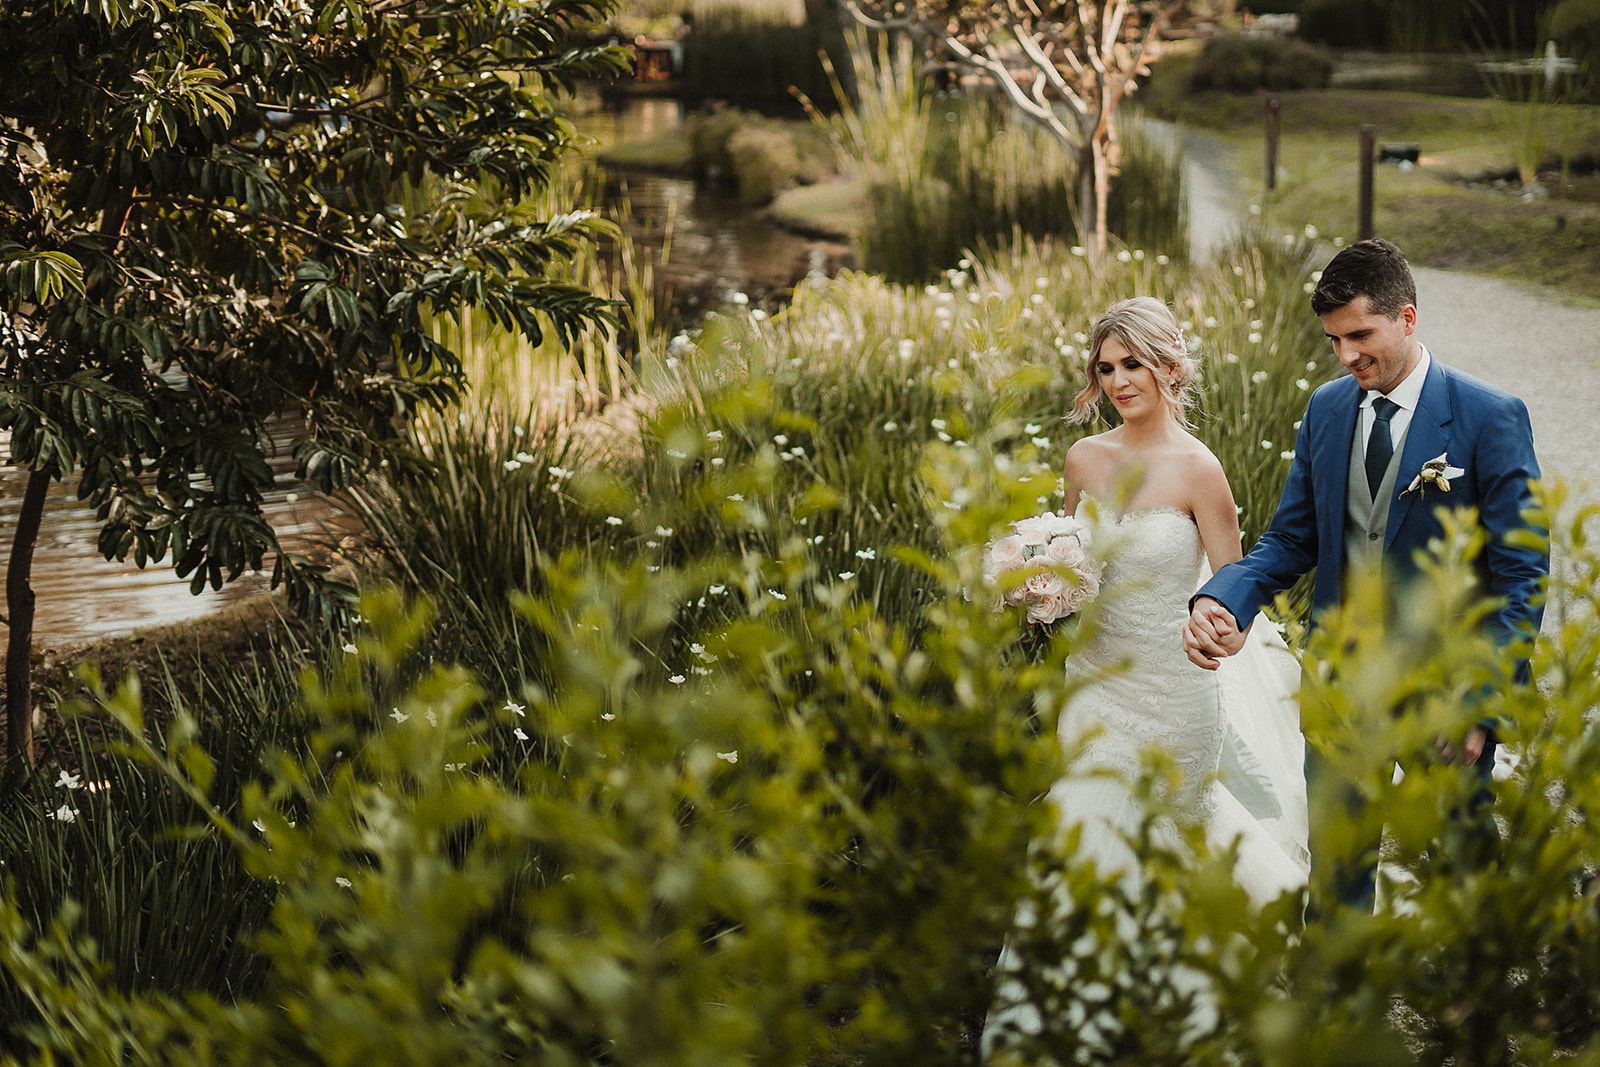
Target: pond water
x,y
81,596
703,244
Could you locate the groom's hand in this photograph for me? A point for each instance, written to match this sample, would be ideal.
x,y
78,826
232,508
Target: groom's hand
x,y
1211,634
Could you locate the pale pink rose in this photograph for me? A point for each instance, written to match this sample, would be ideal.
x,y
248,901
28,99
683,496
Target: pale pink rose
x,y
1006,554
1046,583
1043,609
1035,530
1064,551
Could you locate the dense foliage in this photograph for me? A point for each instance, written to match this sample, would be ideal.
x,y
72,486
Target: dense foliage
x,y
215,215
745,776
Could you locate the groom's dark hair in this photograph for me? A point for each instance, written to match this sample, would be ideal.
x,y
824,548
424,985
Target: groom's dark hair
x,y
1374,267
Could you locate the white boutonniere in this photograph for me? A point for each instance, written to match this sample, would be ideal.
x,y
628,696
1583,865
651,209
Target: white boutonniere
x,y
1437,472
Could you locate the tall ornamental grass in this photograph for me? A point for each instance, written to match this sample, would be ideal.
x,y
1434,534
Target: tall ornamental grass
x,y
949,173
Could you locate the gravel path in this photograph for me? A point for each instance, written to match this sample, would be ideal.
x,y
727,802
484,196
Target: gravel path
x,y
1530,343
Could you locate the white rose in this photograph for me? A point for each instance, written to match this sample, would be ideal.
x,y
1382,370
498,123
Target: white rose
x,y
1035,530
1061,525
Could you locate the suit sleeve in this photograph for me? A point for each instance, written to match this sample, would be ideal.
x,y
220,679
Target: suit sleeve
x,y
1285,552
1505,463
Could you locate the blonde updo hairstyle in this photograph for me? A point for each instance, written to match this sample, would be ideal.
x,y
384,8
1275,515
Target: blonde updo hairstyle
x,y
1150,333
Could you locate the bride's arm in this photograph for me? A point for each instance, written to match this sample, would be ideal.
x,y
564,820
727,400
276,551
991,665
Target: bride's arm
x,y
1215,512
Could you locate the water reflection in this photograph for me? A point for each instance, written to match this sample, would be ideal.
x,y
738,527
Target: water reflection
x,y
81,596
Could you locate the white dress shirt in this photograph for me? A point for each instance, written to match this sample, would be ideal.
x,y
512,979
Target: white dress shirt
x,y
1406,395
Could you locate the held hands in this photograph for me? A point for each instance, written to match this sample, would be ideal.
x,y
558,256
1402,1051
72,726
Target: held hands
x,y
1211,634
1471,748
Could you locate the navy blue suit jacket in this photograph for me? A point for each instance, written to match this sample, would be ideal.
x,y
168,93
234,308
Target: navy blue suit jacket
x,y
1481,429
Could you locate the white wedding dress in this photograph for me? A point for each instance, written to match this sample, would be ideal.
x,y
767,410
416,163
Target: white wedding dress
x,y
1232,734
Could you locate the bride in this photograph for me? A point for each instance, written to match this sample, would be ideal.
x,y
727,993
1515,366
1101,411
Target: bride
x,y
1140,690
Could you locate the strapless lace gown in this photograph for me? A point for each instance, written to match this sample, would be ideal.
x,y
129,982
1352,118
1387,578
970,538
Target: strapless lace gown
x,y
1140,691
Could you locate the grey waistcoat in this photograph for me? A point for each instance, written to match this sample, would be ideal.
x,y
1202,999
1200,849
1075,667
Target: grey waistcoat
x,y
1366,516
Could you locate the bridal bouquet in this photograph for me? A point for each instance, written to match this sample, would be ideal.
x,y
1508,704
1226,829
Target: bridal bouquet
x,y
1045,546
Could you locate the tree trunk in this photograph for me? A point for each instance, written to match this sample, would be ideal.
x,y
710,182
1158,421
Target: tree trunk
x,y
19,644
1094,183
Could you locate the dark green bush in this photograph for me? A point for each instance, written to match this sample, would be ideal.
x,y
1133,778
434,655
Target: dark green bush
x,y
765,161
1246,64
1345,23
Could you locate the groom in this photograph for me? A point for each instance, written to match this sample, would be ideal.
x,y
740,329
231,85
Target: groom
x,y
1345,508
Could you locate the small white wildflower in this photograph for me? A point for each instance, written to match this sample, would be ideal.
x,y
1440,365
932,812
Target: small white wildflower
x,y
713,435
1258,377
663,531
652,544
817,540
65,814
515,708
1302,384
717,590
677,679
1308,287
349,648
1124,256
1041,442
342,881
1230,358
560,472
67,781
260,826
398,716
716,461
944,436
845,576
606,716
1163,260
1255,338
512,465
775,595
1032,428
740,298
677,453
1311,232
1289,454
891,426
780,439
937,424
517,430
737,498
1211,321
1267,445
731,757
518,734
866,553
433,720
612,520
1077,250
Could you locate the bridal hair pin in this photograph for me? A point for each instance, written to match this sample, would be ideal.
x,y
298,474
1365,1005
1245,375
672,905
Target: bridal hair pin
x,y
1437,472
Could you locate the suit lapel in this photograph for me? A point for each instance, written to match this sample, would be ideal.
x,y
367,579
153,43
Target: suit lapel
x,y
1427,437
1332,465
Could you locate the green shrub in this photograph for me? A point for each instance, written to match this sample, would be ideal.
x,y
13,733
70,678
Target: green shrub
x,y
765,161
1247,64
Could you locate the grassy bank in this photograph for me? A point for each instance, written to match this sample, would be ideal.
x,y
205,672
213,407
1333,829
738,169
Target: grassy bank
x,y
1458,209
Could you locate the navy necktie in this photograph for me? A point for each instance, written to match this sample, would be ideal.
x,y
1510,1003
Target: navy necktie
x,y
1379,446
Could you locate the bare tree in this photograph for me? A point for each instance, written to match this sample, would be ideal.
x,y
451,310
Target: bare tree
x,y
1065,64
